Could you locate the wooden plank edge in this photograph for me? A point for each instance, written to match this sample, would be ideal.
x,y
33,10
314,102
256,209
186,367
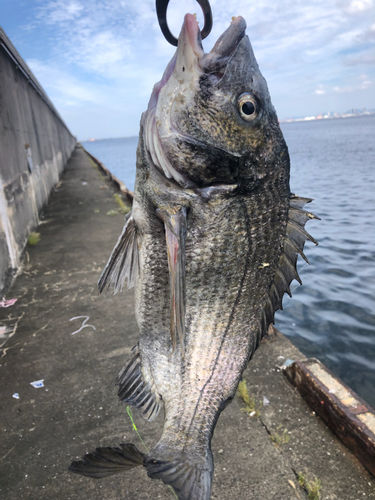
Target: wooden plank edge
x,y
343,419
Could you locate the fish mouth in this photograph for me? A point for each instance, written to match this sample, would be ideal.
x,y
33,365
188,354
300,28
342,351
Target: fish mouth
x,y
190,47
216,61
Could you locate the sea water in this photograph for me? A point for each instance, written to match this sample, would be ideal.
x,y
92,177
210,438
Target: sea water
x,y
332,315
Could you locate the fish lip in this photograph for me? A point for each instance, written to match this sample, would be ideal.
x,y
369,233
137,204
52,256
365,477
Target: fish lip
x,y
215,61
193,35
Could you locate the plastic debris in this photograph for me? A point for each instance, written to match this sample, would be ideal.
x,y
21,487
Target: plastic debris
x,y
287,363
37,383
266,401
16,395
7,303
84,183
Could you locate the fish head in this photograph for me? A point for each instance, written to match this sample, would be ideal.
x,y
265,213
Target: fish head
x,y
210,119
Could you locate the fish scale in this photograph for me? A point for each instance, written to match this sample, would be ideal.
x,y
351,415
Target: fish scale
x,y
211,247
214,244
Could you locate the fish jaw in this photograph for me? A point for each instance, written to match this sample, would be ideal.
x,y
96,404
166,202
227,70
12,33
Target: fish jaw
x,y
189,52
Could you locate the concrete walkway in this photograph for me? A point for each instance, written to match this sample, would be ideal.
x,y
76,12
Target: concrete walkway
x,y
77,409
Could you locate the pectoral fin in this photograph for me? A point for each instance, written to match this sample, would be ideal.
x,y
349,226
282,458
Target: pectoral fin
x,y
124,261
175,234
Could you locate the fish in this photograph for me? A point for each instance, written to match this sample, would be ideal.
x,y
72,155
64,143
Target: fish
x,y
210,247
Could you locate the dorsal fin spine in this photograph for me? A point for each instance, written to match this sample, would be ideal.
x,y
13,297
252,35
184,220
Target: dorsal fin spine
x,y
294,240
301,229
296,248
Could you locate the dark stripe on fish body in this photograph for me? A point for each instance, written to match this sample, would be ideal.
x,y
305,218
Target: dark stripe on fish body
x,y
247,222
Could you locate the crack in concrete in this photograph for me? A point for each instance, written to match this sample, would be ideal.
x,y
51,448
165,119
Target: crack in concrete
x,y
6,454
285,459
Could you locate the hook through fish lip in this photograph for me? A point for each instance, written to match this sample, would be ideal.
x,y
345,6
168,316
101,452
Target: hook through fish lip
x,y
161,10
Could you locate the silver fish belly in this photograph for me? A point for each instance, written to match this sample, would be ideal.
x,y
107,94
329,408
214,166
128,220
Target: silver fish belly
x,y
211,247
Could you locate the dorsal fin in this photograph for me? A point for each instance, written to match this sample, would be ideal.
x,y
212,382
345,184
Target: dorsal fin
x,y
286,272
175,234
123,262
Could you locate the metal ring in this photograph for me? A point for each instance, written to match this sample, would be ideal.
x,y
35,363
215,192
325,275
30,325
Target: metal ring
x,y
161,10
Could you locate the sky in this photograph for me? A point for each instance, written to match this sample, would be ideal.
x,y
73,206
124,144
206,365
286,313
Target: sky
x,y
99,59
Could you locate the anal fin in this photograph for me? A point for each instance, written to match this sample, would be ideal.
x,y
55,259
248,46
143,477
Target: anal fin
x,y
124,261
134,390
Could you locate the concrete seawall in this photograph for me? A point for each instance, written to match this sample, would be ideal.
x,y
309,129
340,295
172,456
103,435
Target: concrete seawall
x,y
35,145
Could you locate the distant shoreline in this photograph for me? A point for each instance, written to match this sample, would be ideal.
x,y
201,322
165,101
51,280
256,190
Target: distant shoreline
x,y
109,138
288,120
325,117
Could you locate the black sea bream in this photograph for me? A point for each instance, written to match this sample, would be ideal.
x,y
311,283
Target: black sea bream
x,y
211,247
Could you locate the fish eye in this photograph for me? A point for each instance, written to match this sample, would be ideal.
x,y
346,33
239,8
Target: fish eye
x,y
248,107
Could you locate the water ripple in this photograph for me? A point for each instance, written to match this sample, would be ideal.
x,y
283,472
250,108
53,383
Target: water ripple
x,y
332,316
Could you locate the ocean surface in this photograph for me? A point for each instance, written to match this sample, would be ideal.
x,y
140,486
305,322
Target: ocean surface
x,y
332,316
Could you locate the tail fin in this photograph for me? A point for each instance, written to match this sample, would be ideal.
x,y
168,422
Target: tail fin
x,y
105,462
190,480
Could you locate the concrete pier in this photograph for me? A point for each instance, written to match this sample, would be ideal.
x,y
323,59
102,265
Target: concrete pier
x,y
257,457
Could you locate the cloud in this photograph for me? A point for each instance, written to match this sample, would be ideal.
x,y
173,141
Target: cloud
x,y
63,11
62,87
356,6
361,82
364,57
341,90
320,90
108,54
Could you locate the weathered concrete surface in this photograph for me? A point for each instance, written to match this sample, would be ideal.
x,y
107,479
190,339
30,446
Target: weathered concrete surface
x,y
35,145
77,409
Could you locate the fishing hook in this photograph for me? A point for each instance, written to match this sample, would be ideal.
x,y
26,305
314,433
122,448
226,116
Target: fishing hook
x,y
161,10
